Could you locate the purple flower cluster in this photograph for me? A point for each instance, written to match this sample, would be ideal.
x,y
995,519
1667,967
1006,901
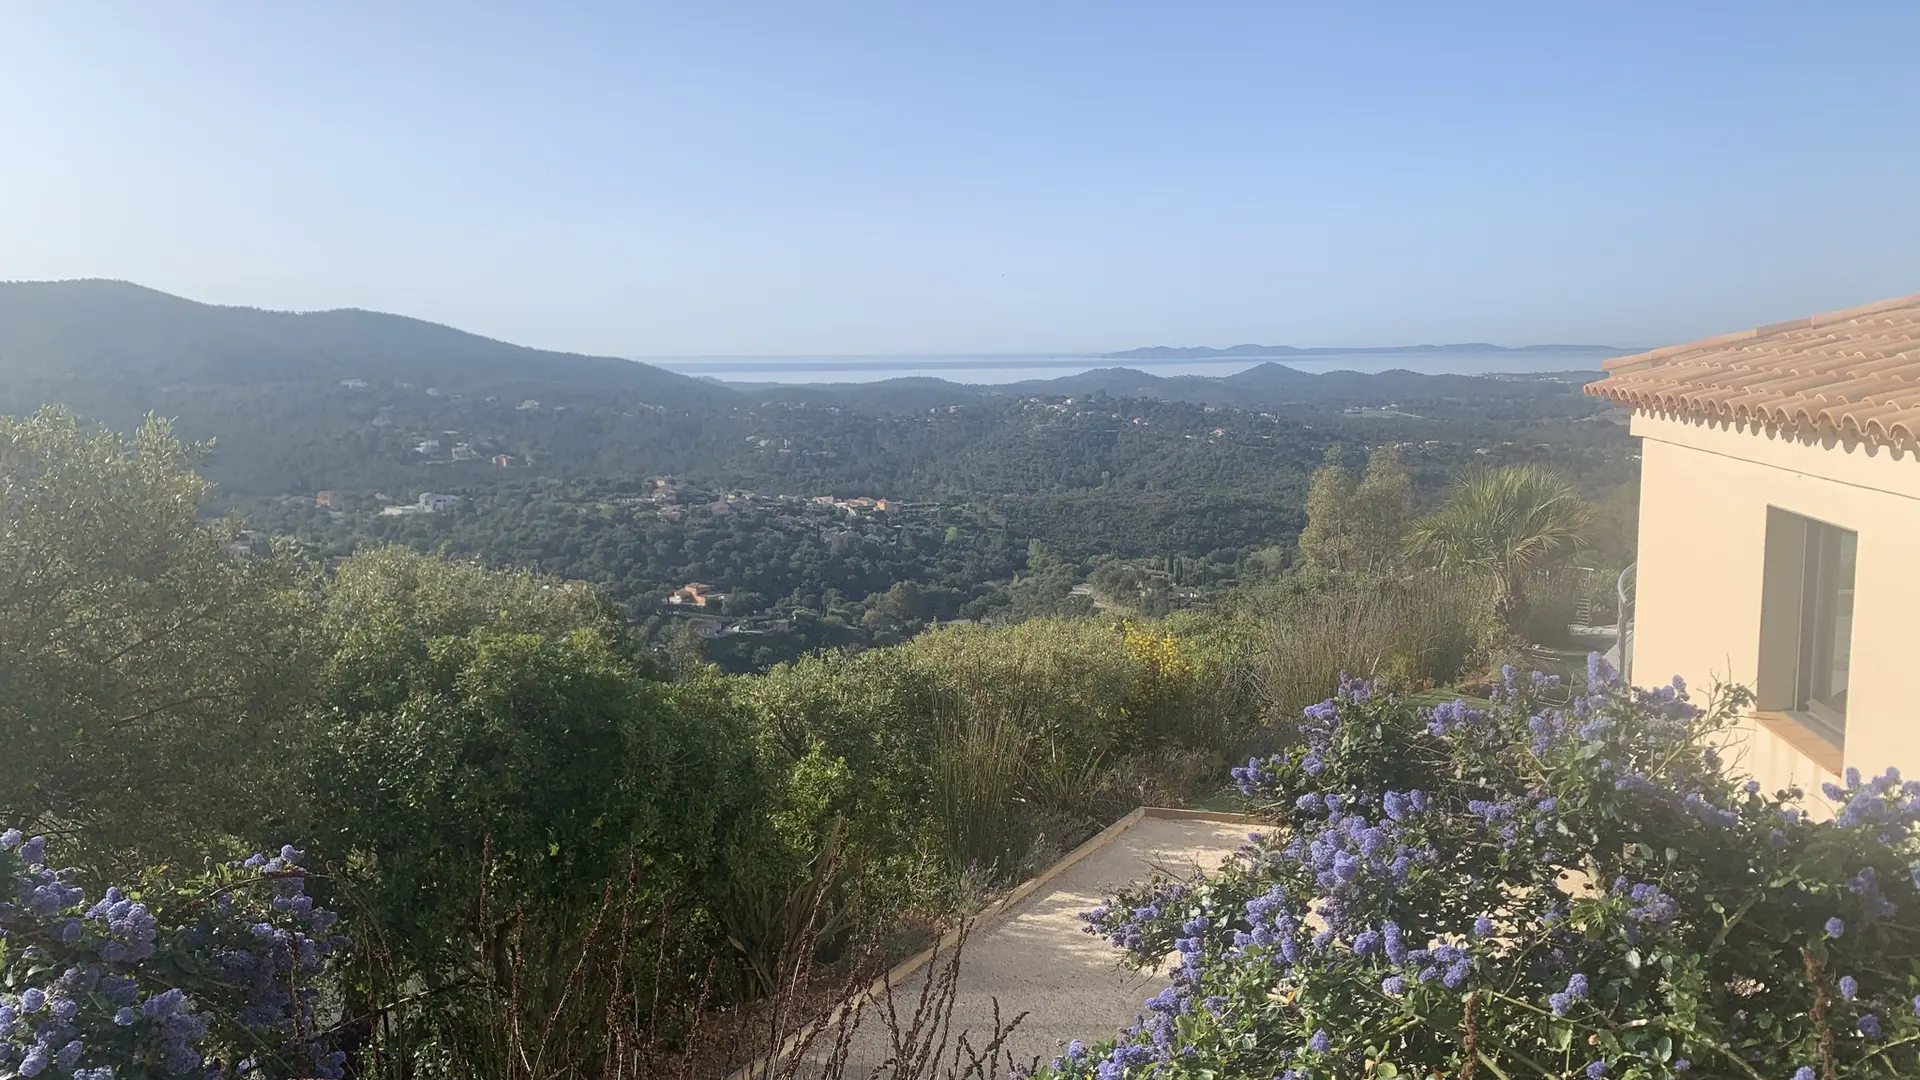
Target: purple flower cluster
x,y
1649,910
1399,807
1576,990
1130,927
1665,722
1451,718
1344,846
1076,1055
1887,809
1259,778
1865,884
1699,807
1120,1058
129,928
1264,779
93,1000
1272,925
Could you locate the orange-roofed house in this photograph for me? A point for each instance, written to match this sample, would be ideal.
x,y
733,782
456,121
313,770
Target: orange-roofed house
x,y
1780,533
693,594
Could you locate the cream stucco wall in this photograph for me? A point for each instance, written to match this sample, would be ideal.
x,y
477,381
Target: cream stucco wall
x,y
1705,490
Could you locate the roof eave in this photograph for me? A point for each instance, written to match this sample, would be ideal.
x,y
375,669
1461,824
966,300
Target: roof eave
x,y
1636,361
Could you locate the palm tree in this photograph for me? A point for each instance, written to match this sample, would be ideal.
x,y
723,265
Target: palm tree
x,y
1503,523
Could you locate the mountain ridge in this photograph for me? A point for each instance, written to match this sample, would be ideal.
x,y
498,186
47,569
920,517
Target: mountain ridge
x,y
55,331
1470,348
297,403
117,348
1266,385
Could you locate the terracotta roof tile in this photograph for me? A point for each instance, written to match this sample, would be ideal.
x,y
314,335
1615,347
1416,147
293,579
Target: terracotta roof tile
x,y
1854,373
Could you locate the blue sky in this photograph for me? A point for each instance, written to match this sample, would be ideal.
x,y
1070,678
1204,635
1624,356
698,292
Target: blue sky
x,y
820,178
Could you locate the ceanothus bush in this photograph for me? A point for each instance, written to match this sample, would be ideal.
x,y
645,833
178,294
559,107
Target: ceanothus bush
x,y
1559,884
218,977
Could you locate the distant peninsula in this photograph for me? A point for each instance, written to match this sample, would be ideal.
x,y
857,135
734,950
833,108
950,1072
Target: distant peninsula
x,y
1472,348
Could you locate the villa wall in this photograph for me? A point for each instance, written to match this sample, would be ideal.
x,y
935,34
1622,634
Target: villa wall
x,y
1705,493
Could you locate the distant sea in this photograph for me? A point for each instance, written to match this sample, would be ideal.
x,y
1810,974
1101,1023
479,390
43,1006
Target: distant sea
x,y
989,369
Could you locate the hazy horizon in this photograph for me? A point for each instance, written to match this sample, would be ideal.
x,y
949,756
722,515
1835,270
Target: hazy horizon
x,y
995,367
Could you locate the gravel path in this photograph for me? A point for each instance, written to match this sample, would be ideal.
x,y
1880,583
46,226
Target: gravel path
x,y
1034,957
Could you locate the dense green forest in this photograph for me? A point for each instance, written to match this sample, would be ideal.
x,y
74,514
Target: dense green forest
x,y
992,510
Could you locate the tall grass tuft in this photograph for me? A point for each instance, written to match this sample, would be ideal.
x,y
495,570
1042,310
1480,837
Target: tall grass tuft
x,y
1413,633
978,776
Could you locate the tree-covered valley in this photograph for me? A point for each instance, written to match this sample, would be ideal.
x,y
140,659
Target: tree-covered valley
x,y
828,525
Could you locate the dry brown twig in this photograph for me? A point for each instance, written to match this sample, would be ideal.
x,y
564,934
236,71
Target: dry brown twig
x,y
918,1045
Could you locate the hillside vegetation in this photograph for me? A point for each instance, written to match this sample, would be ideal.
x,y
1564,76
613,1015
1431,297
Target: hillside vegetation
x,y
141,341
477,768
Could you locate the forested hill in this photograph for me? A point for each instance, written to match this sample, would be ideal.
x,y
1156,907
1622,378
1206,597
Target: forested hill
x,y
116,350
112,345
1576,355
361,402
1264,386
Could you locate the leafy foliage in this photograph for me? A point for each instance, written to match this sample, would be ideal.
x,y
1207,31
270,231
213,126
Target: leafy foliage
x,y
973,745
507,764
144,673
1357,528
484,761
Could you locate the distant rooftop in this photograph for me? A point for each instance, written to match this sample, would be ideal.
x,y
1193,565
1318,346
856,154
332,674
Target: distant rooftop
x,y
1853,373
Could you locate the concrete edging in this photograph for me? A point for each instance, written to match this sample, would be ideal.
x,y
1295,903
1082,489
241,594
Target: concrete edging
x,y
901,971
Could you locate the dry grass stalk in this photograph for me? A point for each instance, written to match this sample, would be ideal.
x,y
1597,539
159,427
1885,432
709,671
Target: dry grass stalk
x,y
921,1045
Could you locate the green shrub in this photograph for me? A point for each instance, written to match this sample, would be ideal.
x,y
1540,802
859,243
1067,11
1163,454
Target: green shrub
x,y
968,746
147,676
494,785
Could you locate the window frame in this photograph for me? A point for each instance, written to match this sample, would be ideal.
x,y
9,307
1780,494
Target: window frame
x,y
1797,607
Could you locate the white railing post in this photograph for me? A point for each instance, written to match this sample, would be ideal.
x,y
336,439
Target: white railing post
x,y
1623,633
